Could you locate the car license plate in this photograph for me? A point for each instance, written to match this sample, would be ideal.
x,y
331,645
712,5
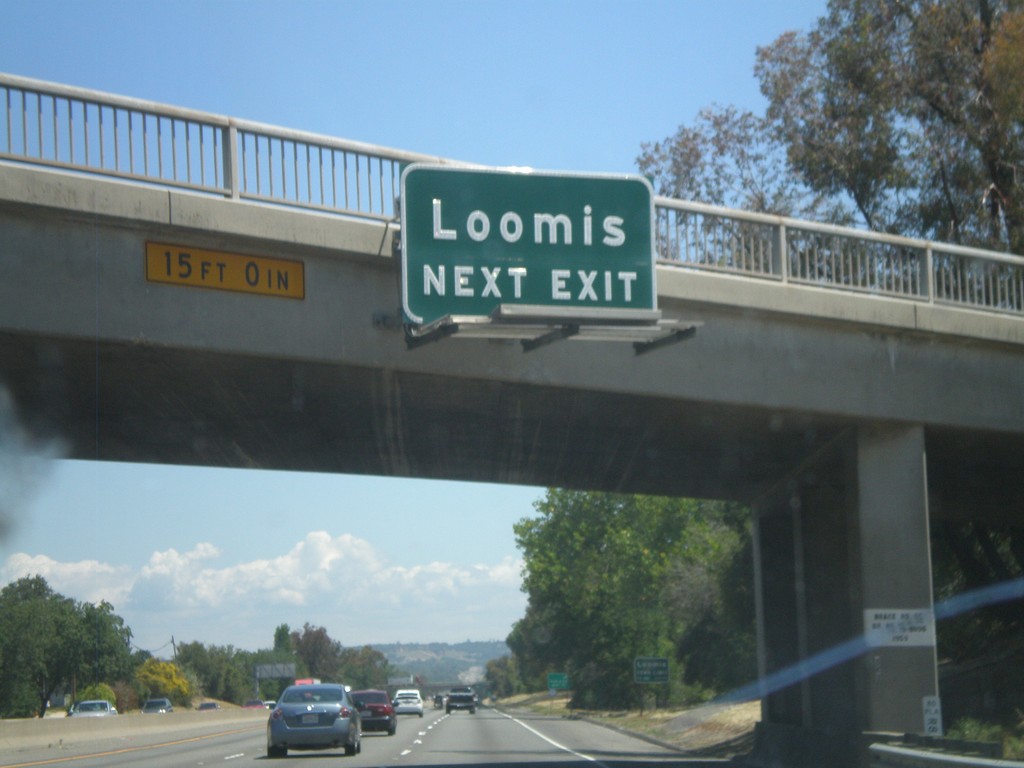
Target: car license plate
x,y
311,719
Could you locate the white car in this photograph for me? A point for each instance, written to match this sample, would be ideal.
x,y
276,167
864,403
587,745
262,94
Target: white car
x,y
408,702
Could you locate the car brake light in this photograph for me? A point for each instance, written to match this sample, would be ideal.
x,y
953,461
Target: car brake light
x,y
276,714
345,712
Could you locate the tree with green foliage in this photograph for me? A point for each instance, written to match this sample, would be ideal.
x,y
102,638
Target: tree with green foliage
x,y
364,667
901,108
283,639
320,655
502,677
601,573
712,601
108,656
968,556
42,644
48,641
223,672
97,692
907,117
729,157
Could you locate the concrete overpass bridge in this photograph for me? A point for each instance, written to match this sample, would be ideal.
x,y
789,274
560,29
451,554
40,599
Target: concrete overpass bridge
x,y
853,388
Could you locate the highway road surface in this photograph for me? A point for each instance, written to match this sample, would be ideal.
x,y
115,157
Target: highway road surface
x,y
490,737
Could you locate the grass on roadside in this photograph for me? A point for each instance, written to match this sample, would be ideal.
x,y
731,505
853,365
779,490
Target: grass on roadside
x,y
719,729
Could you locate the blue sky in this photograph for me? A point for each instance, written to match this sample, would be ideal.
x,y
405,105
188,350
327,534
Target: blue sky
x,y
225,556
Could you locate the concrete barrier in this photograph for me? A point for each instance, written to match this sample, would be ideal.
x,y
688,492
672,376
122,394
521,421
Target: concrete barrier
x,y
62,732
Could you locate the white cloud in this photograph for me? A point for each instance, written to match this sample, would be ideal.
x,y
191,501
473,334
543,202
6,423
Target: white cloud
x,y
314,566
508,572
88,580
339,582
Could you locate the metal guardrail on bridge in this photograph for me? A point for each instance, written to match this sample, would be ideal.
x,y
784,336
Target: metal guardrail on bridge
x,y
88,131
890,756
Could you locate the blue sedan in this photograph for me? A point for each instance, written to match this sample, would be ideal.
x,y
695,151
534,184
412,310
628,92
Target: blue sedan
x,y
320,716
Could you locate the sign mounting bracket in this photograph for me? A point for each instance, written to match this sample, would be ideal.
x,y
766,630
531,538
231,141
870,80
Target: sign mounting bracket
x,y
539,326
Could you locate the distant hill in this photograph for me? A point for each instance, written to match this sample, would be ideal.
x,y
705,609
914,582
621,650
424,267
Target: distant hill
x,y
440,663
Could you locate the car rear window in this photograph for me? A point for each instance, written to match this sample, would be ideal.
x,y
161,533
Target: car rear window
x,y
300,695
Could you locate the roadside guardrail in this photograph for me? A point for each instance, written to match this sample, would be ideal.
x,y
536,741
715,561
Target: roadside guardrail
x,y
892,756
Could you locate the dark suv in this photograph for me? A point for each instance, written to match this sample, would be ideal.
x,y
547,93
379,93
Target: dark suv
x,y
461,700
157,706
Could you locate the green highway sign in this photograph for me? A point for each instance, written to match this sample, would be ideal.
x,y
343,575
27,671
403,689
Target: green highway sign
x,y
474,239
558,681
650,669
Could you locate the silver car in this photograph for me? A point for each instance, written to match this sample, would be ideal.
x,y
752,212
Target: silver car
x,y
321,716
92,708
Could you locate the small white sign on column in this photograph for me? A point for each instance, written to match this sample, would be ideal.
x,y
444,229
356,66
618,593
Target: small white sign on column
x,y
932,716
899,627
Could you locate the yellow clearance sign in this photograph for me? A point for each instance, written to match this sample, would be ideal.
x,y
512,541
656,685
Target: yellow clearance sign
x,y
198,268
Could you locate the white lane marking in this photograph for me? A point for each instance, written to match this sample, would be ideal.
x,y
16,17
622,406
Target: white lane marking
x,y
555,744
406,752
235,757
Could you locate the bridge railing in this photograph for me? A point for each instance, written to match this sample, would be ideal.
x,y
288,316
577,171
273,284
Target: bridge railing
x,y
83,130
88,131
786,250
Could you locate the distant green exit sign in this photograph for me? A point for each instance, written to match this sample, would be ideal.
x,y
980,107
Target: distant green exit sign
x,y
558,681
650,669
473,239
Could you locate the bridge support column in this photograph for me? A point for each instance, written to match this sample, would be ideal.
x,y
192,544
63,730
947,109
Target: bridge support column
x,y
841,543
896,574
